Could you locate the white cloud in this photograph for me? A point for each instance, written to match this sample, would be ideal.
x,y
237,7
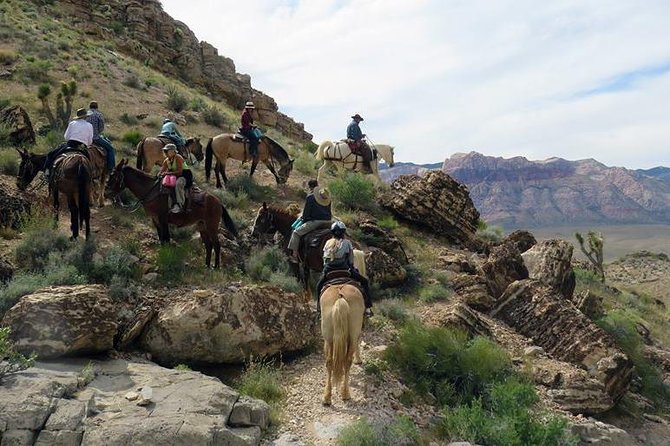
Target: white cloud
x,y
504,77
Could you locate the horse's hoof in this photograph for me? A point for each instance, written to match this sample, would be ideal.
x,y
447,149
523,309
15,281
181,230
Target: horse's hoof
x,y
358,362
326,403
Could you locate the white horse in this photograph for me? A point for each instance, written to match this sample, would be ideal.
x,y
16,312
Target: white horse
x,y
338,154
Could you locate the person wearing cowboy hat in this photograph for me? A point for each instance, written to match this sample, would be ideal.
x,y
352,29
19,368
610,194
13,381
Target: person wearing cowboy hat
x,y
174,164
355,134
170,131
248,129
78,136
315,215
97,120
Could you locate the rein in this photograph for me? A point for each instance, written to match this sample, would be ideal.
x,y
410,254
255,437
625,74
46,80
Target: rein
x,y
140,201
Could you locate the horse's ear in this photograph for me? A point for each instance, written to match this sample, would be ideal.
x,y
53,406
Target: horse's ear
x,y
290,160
124,162
265,206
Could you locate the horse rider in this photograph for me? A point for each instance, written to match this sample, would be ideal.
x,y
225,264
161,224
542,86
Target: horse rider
x,y
249,130
358,143
78,136
174,164
170,131
338,255
97,120
315,215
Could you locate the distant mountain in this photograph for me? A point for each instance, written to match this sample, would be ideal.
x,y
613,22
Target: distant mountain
x,y
389,174
662,173
517,192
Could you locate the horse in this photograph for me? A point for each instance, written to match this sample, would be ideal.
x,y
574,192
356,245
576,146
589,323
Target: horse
x,y
71,176
206,214
269,152
98,159
270,220
338,154
150,152
342,310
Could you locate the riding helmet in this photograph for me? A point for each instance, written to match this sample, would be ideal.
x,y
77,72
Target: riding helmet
x,y
338,227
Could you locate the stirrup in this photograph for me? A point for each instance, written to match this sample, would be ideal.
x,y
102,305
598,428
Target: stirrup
x,y
368,312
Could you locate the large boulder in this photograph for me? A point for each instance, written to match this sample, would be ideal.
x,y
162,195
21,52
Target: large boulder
x,y
14,206
550,262
538,312
229,325
591,432
523,240
473,290
17,119
457,316
504,266
384,269
63,321
382,239
436,202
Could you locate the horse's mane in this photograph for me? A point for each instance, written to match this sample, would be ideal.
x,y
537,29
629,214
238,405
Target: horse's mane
x,y
281,211
277,150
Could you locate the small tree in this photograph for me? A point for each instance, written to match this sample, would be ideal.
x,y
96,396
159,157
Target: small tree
x,y
595,251
63,103
43,93
10,360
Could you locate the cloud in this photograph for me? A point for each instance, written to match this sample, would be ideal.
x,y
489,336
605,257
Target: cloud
x,y
565,78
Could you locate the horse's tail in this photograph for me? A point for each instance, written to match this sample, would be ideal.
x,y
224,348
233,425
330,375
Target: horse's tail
x,y
340,317
228,222
321,149
84,185
208,159
140,154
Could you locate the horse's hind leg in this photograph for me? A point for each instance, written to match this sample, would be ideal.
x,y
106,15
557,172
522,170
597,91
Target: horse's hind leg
x,y
208,247
347,367
328,351
74,218
56,206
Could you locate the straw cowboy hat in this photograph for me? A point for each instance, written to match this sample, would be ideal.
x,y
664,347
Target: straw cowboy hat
x,y
81,113
322,196
249,104
357,116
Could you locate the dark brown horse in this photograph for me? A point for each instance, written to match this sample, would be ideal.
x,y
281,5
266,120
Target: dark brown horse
x,y
71,176
270,220
206,215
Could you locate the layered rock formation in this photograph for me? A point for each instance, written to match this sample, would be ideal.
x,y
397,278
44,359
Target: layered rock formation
x,y
228,326
436,202
143,30
13,205
518,192
550,262
17,119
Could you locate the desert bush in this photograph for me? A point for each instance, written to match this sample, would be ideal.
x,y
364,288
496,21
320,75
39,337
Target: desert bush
x,y
285,281
12,361
434,293
74,71
388,223
309,147
183,234
213,116
197,104
7,56
354,191
176,101
122,288
398,432
4,102
262,264
36,70
232,200
306,163
128,119
132,137
246,184
50,139
392,309
132,81
182,368
489,233
262,380
32,253
9,162
171,262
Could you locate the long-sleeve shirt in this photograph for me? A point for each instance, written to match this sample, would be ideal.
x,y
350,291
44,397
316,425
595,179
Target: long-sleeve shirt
x,y
97,120
314,211
247,120
79,130
354,131
170,129
338,252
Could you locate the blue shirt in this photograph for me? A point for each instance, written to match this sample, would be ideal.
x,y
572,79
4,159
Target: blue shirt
x,y
354,131
98,122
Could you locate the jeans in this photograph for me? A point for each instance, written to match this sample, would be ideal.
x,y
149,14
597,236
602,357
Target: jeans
x,y
107,145
253,141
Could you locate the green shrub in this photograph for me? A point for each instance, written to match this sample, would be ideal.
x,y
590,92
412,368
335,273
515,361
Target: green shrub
x,y
388,223
171,262
233,200
285,281
12,361
309,147
197,104
32,253
392,309
74,71
213,116
354,191
261,380
246,184
434,293
132,81
36,70
398,432
122,288
87,374
261,264
4,102
306,163
50,139
128,119
182,368
132,137
176,101
7,57
9,162
492,234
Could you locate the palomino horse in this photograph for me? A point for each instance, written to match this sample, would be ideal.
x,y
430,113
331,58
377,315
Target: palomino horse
x,y
342,310
270,220
270,153
338,154
71,176
150,152
206,214
98,158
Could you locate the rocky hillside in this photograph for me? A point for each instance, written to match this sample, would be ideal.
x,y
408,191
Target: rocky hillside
x,y
517,192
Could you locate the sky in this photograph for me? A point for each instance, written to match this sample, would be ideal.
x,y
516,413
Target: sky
x,y
567,78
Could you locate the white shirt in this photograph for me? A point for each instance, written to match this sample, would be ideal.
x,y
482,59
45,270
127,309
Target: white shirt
x,y
79,130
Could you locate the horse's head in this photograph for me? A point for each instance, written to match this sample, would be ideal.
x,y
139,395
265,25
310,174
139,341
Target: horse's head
x,y
264,224
116,183
195,147
386,152
28,169
284,171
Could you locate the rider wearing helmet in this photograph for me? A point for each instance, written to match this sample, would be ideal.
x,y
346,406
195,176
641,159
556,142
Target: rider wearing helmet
x,y
338,254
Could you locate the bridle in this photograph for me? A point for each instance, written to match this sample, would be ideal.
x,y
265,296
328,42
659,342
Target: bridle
x,y
269,229
122,185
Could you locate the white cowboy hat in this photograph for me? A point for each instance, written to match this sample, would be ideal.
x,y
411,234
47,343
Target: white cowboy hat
x,y
249,104
322,196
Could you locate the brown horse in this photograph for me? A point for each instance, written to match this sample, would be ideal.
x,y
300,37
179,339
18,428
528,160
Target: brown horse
x,y
342,310
270,220
150,152
270,153
98,158
206,215
71,176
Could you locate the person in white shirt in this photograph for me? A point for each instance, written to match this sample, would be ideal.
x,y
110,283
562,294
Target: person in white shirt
x,y
78,135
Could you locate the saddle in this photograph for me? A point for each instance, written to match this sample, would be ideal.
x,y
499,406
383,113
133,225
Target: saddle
x,y
340,277
238,137
164,139
313,239
194,196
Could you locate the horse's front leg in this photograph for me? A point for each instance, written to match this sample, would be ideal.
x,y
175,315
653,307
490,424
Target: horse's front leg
x,y
217,172
208,248
328,393
254,163
272,169
56,205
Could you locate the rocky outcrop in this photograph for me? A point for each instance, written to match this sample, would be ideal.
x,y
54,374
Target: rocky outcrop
x,y
504,266
473,290
523,240
384,269
228,325
21,129
456,316
46,405
13,205
144,31
517,192
382,239
6,271
458,262
541,314
593,432
63,321
436,202
590,304
550,262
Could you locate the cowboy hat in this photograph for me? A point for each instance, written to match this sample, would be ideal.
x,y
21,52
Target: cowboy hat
x,y
249,104
322,196
357,116
169,147
81,113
